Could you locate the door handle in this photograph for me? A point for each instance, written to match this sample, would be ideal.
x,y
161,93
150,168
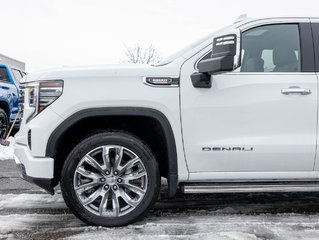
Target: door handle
x,y
296,91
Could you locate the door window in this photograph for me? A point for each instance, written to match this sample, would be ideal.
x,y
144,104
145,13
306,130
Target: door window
x,y
271,48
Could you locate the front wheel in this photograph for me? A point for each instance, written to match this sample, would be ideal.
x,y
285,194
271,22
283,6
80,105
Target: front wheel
x,y
4,124
110,179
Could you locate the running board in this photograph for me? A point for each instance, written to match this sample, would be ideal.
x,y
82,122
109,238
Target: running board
x,y
250,187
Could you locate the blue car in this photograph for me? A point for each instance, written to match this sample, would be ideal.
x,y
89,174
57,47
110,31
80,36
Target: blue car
x,y
9,96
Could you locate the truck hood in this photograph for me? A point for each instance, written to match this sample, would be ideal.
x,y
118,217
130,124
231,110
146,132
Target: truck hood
x,y
105,71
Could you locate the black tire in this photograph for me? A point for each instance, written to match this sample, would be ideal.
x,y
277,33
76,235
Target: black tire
x,y
128,141
4,124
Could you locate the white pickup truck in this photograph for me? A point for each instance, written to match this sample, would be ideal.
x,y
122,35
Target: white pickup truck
x,y
236,111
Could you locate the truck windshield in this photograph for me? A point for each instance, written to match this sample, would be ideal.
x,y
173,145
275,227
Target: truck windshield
x,y
4,75
181,52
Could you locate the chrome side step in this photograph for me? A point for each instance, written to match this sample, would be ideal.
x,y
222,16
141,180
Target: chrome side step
x,y
250,187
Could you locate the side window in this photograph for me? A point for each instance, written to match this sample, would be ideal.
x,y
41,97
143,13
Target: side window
x,y
17,74
4,75
271,48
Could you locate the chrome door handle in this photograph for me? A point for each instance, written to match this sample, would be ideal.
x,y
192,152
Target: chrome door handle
x,y
295,90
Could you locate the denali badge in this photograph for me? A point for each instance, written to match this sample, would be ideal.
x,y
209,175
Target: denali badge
x,y
161,81
228,149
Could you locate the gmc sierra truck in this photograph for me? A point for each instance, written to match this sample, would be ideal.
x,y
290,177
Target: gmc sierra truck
x,y
236,111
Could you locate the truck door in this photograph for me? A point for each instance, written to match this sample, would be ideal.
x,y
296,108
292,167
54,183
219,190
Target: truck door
x,y
261,117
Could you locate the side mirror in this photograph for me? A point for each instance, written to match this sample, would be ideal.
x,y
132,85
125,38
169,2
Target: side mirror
x,y
225,57
222,63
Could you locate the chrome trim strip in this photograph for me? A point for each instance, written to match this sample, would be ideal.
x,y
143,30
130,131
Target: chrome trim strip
x,y
250,188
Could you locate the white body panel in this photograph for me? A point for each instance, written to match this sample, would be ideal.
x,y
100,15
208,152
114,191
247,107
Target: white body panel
x,y
240,110
37,166
99,87
249,111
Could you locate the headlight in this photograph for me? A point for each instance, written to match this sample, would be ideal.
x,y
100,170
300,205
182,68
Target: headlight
x,y
39,95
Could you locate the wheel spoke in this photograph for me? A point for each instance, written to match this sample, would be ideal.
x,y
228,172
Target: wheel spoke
x,y
134,189
88,174
128,199
103,204
115,204
92,197
134,176
118,157
129,164
106,157
90,160
86,186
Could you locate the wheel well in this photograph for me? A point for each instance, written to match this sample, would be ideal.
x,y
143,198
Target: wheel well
x,y
5,107
147,128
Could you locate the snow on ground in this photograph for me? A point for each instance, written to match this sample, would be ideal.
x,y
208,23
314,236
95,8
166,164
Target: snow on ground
x,y
31,222
213,226
6,152
41,216
176,226
30,200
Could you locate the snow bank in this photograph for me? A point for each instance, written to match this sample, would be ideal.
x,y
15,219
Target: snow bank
x,y
6,153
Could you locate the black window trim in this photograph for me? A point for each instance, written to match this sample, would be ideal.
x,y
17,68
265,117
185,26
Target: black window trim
x,y
315,34
307,48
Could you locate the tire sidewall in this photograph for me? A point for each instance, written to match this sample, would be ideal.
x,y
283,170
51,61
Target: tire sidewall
x,y
4,114
121,139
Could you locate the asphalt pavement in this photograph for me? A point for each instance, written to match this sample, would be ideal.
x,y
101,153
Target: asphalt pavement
x,y
27,212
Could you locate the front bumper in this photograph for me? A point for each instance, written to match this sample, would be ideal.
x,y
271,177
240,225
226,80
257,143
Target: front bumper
x,y
37,170
46,184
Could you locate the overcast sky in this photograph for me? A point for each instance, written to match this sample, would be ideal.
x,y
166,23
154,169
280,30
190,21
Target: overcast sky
x,y
52,33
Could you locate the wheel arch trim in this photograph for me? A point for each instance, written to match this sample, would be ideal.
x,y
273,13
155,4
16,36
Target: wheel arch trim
x,y
172,175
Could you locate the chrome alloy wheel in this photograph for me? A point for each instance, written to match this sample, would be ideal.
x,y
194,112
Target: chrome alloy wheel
x,y
110,181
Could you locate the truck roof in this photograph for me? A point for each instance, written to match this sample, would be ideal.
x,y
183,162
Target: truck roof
x,y
245,19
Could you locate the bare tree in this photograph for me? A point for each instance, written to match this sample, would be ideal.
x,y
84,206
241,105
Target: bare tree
x,y
140,55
